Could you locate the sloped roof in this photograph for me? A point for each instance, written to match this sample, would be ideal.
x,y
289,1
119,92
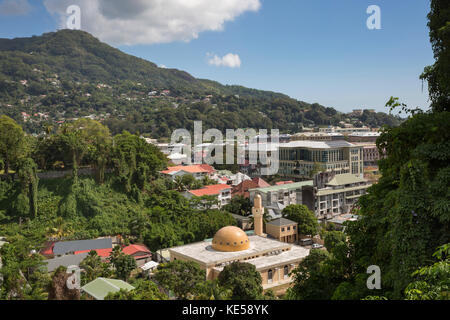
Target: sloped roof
x,y
100,287
346,178
260,182
289,186
66,261
134,248
281,222
209,190
81,245
100,252
196,168
243,187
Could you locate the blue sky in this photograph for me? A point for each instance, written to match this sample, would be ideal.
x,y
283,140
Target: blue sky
x,y
313,50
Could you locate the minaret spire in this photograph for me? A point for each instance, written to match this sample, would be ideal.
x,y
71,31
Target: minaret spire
x,y
258,212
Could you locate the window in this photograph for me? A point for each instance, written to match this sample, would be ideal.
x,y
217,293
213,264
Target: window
x,y
269,276
286,272
288,228
282,229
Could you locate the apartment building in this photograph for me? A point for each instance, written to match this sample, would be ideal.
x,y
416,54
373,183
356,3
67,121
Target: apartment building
x,y
338,194
276,198
302,159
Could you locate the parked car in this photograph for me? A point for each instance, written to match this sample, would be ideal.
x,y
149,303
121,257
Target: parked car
x,y
305,242
317,246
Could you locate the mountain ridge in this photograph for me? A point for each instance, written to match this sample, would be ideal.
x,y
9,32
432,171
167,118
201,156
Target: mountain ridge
x,y
69,74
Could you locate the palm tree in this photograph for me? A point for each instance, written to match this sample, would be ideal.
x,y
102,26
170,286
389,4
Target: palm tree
x,y
179,185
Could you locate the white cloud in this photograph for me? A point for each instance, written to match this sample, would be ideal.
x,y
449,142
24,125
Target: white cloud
x,y
14,7
229,60
163,66
152,21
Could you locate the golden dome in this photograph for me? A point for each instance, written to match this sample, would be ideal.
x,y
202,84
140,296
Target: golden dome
x,y
230,239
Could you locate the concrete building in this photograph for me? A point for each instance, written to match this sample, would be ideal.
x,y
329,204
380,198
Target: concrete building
x,y
371,154
345,131
283,230
337,194
300,159
363,137
273,259
276,198
317,136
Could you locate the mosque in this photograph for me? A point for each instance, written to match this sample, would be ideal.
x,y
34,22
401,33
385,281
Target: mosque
x,y
272,254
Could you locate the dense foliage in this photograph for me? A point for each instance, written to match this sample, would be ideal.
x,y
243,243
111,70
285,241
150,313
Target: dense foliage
x,y
406,215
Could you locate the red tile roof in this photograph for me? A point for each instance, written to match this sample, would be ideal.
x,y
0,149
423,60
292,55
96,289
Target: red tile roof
x,y
209,190
260,182
196,168
104,253
244,186
129,250
135,248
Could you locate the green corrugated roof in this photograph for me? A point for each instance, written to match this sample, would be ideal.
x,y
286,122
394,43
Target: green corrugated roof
x,y
100,287
289,186
325,192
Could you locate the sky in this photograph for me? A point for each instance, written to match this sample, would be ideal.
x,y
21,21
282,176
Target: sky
x,y
312,50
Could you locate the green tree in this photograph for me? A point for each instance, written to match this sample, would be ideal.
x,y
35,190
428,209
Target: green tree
x,y
94,268
123,263
86,137
333,239
307,222
183,278
143,290
432,282
239,205
27,173
437,74
311,282
243,280
13,144
136,162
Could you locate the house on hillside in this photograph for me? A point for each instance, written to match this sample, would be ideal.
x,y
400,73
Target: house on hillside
x,y
242,188
198,171
221,191
61,248
139,252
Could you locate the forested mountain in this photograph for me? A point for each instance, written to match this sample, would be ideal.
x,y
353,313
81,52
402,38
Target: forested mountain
x,y
70,74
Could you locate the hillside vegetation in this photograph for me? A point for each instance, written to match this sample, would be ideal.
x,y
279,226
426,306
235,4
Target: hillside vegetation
x,y
70,74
